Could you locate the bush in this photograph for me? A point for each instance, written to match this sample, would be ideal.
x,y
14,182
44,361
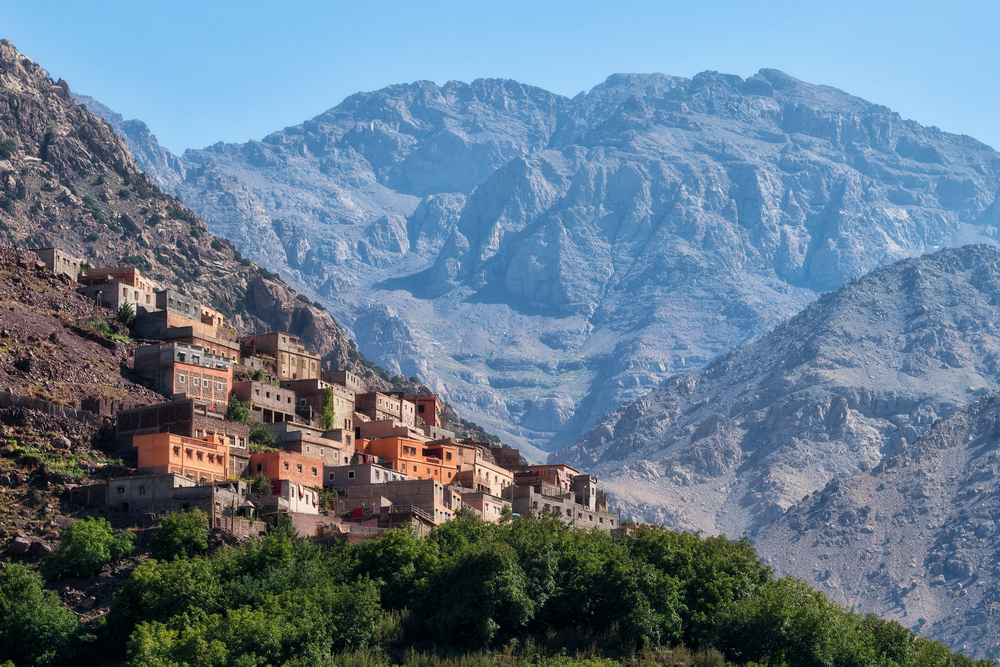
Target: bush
x,y
329,416
87,546
93,236
126,314
237,411
34,628
7,148
180,535
261,435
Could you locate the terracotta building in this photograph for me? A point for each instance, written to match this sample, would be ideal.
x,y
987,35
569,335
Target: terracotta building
x,y
292,360
188,417
429,408
201,459
298,468
177,370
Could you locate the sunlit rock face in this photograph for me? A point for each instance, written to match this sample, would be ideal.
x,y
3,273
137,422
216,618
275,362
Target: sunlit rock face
x,y
548,259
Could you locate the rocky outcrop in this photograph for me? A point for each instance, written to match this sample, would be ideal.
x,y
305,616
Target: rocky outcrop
x,y
68,180
857,376
913,539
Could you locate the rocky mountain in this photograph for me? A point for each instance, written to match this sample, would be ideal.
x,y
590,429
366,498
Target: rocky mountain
x,y
541,260
855,377
914,539
68,180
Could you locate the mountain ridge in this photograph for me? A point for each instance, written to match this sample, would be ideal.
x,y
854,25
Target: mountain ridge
x,y
629,233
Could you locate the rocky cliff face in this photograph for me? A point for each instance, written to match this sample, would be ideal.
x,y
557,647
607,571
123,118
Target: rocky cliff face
x,y
556,258
855,377
914,539
68,180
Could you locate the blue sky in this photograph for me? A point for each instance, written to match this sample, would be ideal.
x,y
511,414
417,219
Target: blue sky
x,y
201,72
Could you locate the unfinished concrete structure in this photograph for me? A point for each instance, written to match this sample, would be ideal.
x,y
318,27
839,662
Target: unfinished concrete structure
x,y
60,261
329,446
346,379
268,404
311,395
427,496
292,360
542,497
344,476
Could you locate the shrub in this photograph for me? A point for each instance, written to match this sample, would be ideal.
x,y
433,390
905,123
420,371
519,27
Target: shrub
x,y
261,435
87,546
7,148
238,411
93,236
180,535
34,628
329,416
100,326
126,314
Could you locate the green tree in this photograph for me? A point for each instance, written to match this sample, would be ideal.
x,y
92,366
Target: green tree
x,y
329,415
261,435
180,535
88,545
126,314
237,411
34,628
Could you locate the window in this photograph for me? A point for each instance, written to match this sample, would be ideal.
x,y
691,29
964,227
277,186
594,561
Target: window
x,y
302,402
333,476
350,474
121,490
286,465
315,472
218,386
201,456
447,456
177,451
298,468
258,467
181,379
195,382
376,474
308,449
188,453
142,490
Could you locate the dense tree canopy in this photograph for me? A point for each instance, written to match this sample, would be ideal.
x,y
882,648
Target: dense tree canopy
x,y
470,586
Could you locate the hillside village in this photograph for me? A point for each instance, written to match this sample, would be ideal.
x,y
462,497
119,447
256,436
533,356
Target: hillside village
x,y
253,426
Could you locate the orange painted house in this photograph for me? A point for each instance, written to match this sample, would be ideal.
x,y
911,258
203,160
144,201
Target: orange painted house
x,y
414,459
201,459
303,470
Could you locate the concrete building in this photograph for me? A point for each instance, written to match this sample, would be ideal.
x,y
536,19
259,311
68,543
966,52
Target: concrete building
x,y
292,360
310,396
428,496
343,476
378,407
345,379
387,428
506,457
176,370
301,469
407,456
329,446
541,497
268,404
166,494
291,497
559,475
126,275
59,261
429,408
224,343
200,459
488,507
174,310
191,418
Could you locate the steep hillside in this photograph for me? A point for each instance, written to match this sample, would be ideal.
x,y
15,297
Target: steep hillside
x,y
914,539
853,378
68,180
542,260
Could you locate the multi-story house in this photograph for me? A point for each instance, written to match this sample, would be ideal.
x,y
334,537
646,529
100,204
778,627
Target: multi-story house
x,y
298,468
117,286
311,394
292,360
268,404
201,459
179,370
60,261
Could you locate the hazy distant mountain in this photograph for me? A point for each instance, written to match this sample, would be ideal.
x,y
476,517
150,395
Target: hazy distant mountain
x,y
914,539
853,378
541,260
